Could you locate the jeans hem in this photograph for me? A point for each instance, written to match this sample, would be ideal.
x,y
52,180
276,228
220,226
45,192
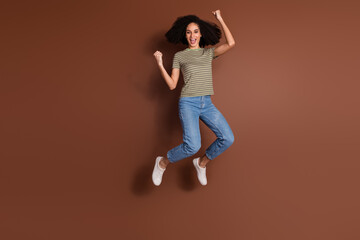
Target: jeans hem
x,y
208,156
169,158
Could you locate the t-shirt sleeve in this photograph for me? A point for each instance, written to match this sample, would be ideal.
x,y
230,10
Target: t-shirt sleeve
x,y
212,53
176,63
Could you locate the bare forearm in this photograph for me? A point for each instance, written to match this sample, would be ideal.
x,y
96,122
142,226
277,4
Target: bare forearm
x,y
228,36
169,81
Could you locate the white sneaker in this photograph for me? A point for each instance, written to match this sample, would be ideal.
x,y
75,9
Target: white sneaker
x,y
157,172
201,172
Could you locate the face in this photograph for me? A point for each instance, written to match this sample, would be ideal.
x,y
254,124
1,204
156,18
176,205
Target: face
x,y
193,35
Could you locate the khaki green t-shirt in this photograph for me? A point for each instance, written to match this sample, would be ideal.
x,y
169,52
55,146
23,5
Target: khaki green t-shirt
x,y
196,68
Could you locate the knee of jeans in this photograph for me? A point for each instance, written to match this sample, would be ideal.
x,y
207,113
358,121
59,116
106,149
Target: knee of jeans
x,y
229,139
192,148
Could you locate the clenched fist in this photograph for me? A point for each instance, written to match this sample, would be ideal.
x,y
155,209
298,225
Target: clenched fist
x,y
217,14
158,57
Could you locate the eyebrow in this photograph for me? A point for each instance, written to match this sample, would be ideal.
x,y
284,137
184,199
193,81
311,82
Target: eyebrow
x,y
190,30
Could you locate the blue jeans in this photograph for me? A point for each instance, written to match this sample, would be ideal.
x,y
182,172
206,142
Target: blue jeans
x,y
191,109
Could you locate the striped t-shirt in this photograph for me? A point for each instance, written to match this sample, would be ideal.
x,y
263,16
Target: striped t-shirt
x,y
196,68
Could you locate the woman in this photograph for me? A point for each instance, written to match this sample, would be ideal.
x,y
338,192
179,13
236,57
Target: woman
x,y
195,103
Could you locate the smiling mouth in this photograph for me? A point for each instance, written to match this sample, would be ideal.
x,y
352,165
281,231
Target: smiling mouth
x,y
192,41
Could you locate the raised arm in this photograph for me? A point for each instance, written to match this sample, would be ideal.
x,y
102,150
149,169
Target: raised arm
x,y
230,41
170,81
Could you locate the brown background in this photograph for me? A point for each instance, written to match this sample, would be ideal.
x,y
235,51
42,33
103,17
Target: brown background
x,y
84,113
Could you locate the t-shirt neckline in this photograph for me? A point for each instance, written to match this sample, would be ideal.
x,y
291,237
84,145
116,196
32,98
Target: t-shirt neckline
x,y
194,49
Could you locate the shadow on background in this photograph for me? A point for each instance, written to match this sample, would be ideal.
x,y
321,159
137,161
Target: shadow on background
x,y
187,176
142,183
167,118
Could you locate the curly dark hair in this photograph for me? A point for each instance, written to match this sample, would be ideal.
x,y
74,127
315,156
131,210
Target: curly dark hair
x,y
210,32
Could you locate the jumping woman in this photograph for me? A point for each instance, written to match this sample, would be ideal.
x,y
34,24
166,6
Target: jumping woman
x,y
195,102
